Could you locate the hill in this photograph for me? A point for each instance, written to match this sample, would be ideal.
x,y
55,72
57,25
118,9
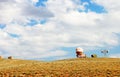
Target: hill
x,y
78,67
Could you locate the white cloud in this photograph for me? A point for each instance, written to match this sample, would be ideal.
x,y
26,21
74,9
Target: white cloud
x,y
114,56
34,1
21,11
112,5
65,27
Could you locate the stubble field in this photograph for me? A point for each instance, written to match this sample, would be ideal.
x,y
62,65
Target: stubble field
x,y
78,67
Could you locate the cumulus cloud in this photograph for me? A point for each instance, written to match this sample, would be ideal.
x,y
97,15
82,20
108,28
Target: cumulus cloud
x,y
114,56
34,1
65,27
109,6
21,12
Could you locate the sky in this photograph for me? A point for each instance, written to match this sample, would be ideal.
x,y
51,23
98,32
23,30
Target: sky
x,y
53,29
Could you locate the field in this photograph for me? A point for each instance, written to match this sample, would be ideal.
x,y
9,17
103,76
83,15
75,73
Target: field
x,y
78,67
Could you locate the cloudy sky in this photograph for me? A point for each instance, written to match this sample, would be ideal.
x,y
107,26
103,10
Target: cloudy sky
x,y
52,29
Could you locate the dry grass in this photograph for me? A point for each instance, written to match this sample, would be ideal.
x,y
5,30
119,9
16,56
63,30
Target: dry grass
x,y
82,67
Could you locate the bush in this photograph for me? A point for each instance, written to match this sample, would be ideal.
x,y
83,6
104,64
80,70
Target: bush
x,y
10,57
94,56
0,57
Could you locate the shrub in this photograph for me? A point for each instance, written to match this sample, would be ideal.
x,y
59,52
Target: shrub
x,y
94,56
0,57
10,57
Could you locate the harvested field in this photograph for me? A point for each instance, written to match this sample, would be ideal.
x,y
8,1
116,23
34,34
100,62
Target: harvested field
x,y
78,67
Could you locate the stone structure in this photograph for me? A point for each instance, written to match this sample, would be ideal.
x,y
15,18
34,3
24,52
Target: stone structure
x,y
79,53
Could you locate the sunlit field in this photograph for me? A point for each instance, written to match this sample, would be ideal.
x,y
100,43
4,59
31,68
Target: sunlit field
x,y
78,67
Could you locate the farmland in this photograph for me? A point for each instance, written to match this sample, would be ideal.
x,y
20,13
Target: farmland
x,y
77,67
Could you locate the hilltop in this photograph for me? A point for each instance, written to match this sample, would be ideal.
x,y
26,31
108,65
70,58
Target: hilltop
x,y
77,67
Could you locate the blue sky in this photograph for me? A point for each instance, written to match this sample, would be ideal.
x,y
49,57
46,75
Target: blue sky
x,y
41,3
2,26
52,29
